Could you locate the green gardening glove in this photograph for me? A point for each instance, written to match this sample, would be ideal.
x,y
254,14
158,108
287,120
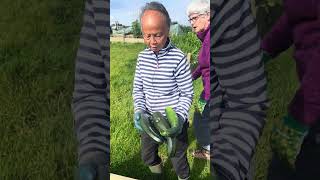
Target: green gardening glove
x,y
137,119
266,57
200,105
86,172
92,172
287,139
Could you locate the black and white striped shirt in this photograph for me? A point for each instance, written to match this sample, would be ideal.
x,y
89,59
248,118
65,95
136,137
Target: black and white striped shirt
x,y
91,93
238,88
163,80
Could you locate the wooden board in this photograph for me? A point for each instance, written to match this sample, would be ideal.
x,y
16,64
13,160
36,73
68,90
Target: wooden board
x,y
118,177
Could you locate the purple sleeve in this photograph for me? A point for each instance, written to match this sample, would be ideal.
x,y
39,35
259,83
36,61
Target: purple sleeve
x,y
206,72
305,105
279,38
196,73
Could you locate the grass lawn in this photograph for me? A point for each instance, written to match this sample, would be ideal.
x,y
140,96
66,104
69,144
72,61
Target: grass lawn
x,y
282,84
38,43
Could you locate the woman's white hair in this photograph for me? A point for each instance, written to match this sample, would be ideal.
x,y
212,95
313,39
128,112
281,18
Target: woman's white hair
x,y
199,7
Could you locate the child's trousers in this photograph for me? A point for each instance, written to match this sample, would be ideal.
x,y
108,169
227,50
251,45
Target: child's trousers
x,y
149,152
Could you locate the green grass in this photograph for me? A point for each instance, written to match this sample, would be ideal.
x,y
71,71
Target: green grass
x,y
125,148
38,43
282,84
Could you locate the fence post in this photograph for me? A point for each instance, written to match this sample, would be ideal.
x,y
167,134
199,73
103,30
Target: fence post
x,y
189,57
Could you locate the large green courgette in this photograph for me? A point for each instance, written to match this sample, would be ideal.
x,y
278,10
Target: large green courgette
x,y
171,146
149,128
160,122
174,123
162,125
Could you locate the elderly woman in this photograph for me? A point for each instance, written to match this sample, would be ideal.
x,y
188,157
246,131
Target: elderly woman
x,y
198,12
169,86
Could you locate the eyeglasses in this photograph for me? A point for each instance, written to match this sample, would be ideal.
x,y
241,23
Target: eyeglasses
x,y
195,18
156,37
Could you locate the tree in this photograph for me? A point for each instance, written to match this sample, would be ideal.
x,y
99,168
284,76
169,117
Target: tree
x,y
185,29
136,29
174,22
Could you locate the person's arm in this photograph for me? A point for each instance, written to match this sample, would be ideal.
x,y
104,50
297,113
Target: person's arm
x,y
184,81
90,103
138,95
305,106
206,71
236,60
279,38
196,73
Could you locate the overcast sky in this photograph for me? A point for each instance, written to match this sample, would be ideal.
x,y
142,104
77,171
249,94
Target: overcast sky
x,y
127,11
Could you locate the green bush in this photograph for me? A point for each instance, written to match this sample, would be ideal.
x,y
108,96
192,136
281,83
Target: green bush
x,y
186,29
188,43
136,30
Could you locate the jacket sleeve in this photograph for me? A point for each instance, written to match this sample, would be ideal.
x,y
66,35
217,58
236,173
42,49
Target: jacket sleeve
x,y
90,102
138,94
279,38
184,81
196,73
237,62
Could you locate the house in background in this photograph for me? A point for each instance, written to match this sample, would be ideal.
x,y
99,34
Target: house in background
x,y
118,29
175,29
